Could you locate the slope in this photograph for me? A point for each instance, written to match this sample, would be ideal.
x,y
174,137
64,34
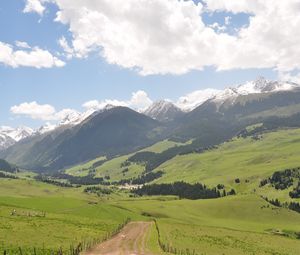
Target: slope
x,y
250,159
115,131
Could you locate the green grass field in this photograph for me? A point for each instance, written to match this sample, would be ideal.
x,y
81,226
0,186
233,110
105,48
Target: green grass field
x,y
113,167
243,158
70,216
50,217
243,224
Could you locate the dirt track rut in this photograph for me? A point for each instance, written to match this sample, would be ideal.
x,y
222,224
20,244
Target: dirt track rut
x,y
130,241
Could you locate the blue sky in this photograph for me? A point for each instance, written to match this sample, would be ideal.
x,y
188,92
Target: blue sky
x,y
82,79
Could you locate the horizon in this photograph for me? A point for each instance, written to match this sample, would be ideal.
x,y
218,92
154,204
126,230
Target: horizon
x,y
98,106
50,65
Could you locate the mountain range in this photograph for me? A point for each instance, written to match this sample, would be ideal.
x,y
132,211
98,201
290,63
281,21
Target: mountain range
x,y
118,130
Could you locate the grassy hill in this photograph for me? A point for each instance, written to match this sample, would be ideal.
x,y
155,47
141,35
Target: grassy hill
x,y
36,214
114,167
232,225
249,159
48,217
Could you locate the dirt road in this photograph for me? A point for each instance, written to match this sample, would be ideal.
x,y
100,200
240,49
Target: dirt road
x,y
130,241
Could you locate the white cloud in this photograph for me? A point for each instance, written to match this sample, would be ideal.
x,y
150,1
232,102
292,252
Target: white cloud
x,y
196,98
217,27
35,57
127,34
169,36
34,110
44,112
269,41
138,101
291,77
66,47
34,6
23,45
95,104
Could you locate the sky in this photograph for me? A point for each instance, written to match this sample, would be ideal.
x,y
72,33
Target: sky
x,y
64,56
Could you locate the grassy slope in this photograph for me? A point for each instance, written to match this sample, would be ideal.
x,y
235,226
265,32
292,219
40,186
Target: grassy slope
x,y
113,167
232,225
243,224
70,215
83,169
247,159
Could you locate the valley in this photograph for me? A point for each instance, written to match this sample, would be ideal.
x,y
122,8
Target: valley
x,y
222,178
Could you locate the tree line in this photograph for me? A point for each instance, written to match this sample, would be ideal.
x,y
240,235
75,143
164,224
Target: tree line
x,y
71,180
284,179
294,206
182,190
97,190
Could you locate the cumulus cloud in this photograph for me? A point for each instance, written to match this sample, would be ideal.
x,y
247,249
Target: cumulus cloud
x,y
44,112
269,41
138,101
34,6
127,34
34,57
95,104
169,36
34,110
196,98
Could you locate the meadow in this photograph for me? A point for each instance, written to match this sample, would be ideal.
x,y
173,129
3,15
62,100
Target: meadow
x,y
47,217
247,159
114,168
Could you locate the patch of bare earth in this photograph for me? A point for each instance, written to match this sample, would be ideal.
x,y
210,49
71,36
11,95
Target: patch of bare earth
x,y
130,241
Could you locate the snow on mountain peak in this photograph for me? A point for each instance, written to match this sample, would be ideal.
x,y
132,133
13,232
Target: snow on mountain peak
x,y
71,118
262,85
16,134
9,135
162,110
45,128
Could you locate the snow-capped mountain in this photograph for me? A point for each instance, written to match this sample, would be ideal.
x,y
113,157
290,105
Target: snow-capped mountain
x,y
16,134
9,135
45,128
262,85
258,86
5,141
71,119
163,110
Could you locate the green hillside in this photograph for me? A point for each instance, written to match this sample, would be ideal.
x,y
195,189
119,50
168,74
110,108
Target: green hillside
x,y
232,225
114,168
47,217
249,159
36,214
53,217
